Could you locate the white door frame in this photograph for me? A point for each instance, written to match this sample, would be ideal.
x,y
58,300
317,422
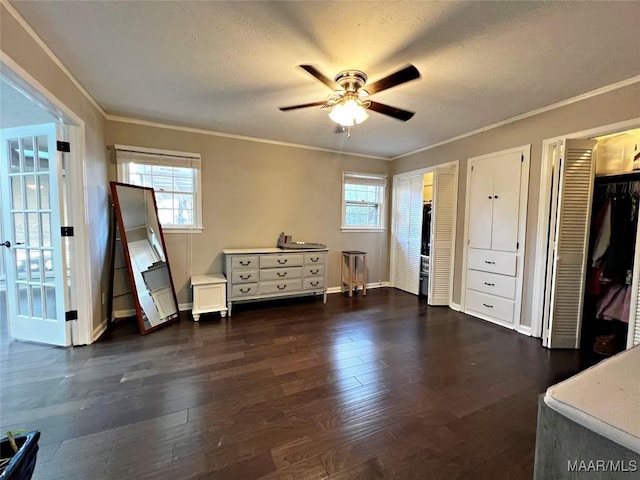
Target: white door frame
x,y
395,178
524,193
74,132
542,224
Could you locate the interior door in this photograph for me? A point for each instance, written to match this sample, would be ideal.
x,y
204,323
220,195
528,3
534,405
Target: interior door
x,y
407,233
633,336
575,192
30,174
443,234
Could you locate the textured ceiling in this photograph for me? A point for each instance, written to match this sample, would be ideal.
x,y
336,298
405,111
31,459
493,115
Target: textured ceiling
x,y
227,66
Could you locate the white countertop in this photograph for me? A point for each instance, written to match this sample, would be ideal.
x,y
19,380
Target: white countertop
x,y
604,398
236,251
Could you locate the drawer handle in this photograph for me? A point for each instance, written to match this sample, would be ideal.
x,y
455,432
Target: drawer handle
x,y
490,263
490,284
281,287
314,272
245,277
315,284
245,263
488,306
314,259
282,261
245,290
281,274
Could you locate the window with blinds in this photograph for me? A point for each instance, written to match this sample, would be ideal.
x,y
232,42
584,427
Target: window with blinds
x,y
175,177
363,201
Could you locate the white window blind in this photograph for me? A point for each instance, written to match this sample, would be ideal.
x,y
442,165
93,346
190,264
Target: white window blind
x,y
363,201
175,178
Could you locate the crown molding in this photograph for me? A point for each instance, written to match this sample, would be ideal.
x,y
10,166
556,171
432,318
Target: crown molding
x,y
32,33
599,91
202,131
553,106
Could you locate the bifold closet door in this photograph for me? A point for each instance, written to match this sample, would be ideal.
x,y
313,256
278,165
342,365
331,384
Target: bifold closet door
x,y
633,336
443,234
575,192
407,234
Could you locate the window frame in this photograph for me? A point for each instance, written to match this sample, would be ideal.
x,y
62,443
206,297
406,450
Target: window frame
x,y
126,154
371,179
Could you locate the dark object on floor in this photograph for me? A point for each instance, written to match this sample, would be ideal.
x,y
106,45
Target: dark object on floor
x,y
23,462
605,344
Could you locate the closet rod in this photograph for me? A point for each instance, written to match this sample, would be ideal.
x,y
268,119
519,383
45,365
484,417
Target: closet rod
x,y
620,177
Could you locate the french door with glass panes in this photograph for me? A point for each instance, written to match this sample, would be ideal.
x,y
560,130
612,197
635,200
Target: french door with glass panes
x,y
30,177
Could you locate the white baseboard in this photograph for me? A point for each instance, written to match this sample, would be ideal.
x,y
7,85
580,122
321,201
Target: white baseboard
x,y
369,285
99,330
123,313
524,330
183,307
455,306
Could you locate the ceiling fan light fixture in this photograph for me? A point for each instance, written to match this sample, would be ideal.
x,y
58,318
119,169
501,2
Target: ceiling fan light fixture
x,y
348,113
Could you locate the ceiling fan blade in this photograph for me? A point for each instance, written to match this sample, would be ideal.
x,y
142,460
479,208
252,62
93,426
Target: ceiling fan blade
x,y
405,75
394,112
320,76
304,105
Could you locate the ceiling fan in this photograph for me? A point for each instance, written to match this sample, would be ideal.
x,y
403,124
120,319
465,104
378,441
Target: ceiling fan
x,y
349,101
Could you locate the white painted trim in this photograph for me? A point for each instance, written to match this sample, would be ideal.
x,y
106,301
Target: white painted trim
x,y
117,314
331,290
157,151
422,171
183,307
524,330
542,223
553,106
21,21
522,232
202,131
99,330
454,306
75,129
489,319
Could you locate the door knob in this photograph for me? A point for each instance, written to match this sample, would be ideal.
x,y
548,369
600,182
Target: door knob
x,y
6,244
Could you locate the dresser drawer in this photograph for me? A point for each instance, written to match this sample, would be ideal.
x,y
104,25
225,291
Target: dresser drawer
x,y
492,283
280,273
313,271
244,276
491,261
496,307
246,290
281,286
244,262
311,283
314,258
284,260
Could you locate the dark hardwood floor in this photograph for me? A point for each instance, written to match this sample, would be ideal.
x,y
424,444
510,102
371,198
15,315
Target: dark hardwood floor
x,y
370,387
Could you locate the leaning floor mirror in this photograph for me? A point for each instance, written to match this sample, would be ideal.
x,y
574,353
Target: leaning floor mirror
x,y
146,256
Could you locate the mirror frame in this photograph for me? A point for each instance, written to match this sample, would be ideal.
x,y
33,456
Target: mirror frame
x,y
125,248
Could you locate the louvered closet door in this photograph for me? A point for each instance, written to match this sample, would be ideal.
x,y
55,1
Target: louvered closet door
x,y
402,211
481,204
416,191
570,255
408,233
506,202
633,337
443,225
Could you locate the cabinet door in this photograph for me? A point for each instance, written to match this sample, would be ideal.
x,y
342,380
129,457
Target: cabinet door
x,y
401,233
481,204
506,201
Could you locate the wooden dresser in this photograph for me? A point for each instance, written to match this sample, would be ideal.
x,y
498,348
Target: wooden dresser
x,y
263,273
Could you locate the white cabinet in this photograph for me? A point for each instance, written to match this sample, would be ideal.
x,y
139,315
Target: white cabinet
x,y
495,226
209,294
494,196
263,273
